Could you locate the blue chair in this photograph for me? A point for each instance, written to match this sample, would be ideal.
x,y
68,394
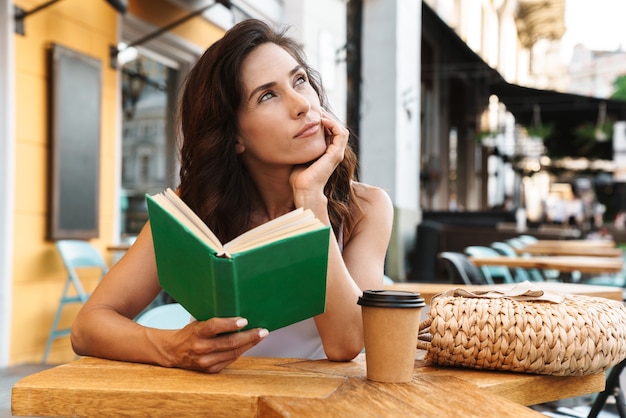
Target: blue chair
x,y
614,279
492,274
527,239
516,243
168,316
538,275
521,274
75,254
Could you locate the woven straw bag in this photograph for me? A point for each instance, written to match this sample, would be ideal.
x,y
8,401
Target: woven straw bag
x,y
579,336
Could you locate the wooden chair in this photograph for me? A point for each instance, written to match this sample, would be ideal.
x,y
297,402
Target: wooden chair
x,y
75,254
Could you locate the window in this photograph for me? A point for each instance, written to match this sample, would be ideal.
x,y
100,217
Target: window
x,y
148,109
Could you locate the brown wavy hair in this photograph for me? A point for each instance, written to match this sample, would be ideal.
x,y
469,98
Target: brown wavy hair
x,y
214,182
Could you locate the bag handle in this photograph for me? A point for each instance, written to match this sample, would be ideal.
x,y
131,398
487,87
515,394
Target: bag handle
x,y
424,337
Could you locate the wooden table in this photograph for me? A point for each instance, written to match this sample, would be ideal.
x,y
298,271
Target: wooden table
x,y
576,243
589,248
428,290
565,264
262,387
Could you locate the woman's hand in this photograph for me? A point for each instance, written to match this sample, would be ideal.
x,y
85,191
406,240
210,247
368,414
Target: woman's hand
x,y
203,346
308,181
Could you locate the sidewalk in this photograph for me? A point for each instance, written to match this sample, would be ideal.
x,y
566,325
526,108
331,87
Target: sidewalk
x,y
8,377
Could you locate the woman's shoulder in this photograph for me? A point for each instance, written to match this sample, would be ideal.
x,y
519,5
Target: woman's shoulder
x,y
367,193
376,211
372,198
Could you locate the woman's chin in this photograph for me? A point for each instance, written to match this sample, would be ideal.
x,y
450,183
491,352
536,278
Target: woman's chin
x,y
313,155
311,151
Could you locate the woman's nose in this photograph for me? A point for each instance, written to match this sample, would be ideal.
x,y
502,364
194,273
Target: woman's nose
x,y
300,105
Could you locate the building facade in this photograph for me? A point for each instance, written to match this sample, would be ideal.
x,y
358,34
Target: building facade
x,y
519,39
592,73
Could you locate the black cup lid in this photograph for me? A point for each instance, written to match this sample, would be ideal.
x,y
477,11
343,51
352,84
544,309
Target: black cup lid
x,y
391,299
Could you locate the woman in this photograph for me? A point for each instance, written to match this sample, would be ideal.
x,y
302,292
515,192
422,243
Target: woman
x,y
257,142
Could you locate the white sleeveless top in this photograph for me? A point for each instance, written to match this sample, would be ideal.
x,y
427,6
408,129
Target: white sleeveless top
x,y
299,340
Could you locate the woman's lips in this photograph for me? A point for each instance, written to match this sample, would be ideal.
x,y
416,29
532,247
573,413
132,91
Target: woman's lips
x,y
309,129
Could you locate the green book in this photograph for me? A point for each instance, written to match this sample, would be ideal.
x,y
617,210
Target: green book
x,y
273,275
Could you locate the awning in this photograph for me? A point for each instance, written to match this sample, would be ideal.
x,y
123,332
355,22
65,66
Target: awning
x,y
454,57
566,113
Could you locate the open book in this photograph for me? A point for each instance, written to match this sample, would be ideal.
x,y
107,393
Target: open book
x,y
293,223
273,275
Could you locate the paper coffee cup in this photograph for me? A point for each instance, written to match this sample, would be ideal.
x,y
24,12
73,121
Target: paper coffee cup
x,y
390,327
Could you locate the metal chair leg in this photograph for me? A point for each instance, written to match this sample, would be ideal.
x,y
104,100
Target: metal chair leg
x,y
620,402
612,388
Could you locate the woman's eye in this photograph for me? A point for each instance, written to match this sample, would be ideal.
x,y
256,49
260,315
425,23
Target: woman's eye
x,y
266,96
300,79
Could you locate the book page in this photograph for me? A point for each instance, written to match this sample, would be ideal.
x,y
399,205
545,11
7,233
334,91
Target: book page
x,y
290,224
177,207
295,216
272,236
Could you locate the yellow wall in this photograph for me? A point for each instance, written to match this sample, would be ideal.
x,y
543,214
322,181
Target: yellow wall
x,y
195,30
89,27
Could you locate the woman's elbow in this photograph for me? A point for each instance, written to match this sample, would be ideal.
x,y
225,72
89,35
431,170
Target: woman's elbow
x,y
343,352
78,339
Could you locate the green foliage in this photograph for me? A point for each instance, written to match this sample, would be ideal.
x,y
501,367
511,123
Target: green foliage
x,y
482,135
589,131
542,131
587,135
619,86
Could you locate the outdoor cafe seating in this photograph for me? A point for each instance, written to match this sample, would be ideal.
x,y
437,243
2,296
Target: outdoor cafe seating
x,y
461,268
76,255
280,387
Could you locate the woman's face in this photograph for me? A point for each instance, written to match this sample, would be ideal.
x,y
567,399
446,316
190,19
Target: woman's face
x,y
279,119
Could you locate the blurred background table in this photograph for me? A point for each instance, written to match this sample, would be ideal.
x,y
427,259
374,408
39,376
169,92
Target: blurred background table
x,y
575,243
597,248
564,264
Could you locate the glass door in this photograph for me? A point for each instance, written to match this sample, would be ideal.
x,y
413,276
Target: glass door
x,y
149,86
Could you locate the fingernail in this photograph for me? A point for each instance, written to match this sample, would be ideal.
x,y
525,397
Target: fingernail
x,y
242,322
263,333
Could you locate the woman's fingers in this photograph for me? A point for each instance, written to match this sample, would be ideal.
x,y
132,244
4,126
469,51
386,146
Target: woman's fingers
x,y
338,134
308,181
216,326
217,361
337,139
211,345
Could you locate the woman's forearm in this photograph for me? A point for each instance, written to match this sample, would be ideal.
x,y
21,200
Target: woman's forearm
x,y
340,327
102,332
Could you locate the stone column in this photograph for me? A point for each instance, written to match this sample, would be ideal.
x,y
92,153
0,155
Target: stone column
x,y
390,116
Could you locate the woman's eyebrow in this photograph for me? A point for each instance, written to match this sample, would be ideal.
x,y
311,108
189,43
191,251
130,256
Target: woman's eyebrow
x,y
272,83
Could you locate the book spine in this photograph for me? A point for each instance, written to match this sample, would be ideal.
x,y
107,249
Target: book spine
x,y
227,304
